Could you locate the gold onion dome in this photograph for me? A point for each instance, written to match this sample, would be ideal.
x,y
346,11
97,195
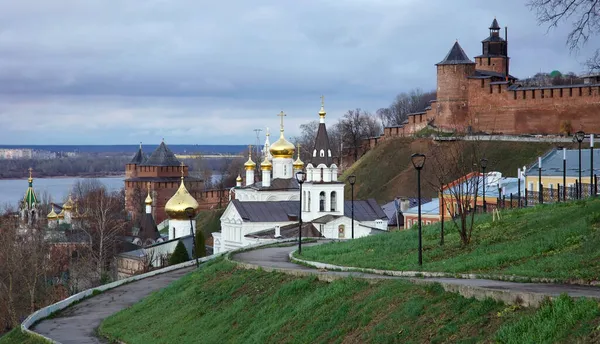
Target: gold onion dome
x,y
52,214
239,178
249,165
266,165
68,204
282,148
181,200
148,200
298,164
61,215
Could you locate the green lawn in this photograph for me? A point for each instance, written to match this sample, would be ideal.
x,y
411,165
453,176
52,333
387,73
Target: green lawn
x,y
16,336
224,304
558,241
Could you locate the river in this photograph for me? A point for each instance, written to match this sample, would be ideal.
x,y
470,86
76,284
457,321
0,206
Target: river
x,y
13,190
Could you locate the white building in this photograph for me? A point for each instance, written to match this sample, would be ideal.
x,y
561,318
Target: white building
x,y
268,209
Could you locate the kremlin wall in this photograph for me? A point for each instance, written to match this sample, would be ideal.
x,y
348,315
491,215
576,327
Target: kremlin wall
x,y
482,97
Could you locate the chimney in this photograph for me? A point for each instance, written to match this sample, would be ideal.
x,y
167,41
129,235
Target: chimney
x,y
277,231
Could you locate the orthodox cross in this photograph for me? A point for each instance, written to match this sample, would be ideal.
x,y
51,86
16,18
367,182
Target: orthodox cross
x,y
250,151
182,165
281,114
30,170
322,101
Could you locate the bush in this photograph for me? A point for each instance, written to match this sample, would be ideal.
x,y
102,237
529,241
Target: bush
x,y
200,250
180,254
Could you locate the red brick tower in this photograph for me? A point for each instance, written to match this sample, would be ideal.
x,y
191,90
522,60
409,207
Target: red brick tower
x,y
453,88
494,56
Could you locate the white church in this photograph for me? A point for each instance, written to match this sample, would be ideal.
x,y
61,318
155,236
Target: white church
x,y
268,209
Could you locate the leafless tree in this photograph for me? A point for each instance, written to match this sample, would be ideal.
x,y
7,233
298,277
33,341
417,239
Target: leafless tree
x,y
357,125
405,103
455,165
584,16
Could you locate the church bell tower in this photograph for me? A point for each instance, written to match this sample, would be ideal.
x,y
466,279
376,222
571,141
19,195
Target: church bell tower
x,y
494,55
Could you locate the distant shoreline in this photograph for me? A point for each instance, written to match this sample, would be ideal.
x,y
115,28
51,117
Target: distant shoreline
x,y
91,176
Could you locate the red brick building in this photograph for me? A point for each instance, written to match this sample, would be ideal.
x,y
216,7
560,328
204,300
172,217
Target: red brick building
x,y
482,96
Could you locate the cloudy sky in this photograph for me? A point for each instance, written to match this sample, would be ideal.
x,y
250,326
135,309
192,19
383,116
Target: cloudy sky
x,y
209,72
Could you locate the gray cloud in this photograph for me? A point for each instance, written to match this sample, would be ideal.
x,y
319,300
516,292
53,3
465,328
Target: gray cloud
x,y
126,71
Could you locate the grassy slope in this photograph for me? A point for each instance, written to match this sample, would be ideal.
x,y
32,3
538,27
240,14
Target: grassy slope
x,y
223,304
16,336
386,171
559,241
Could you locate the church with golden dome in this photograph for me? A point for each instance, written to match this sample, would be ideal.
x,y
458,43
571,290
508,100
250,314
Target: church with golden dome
x,y
267,208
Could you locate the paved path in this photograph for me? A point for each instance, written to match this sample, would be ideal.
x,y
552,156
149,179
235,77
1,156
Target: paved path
x,y
278,258
78,323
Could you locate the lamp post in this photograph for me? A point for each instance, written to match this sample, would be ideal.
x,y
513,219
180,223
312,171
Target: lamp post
x,y
190,213
483,164
518,188
579,136
540,199
300,177
418,161
564,174
352,180
592,189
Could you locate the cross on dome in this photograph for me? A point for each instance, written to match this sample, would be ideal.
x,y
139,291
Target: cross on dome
x,y
281,114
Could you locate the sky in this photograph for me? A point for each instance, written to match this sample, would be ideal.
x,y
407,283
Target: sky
x,y
210,72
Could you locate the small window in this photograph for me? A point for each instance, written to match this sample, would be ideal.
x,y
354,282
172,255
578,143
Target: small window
x,y
561,93
551,93
314,153
532,94
580,91
322,201
542,94
570,92
524,94
515,95
489,61
333,200
322,153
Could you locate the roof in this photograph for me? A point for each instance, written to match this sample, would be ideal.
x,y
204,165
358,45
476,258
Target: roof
x,y
429,208
66,236
527,88
288,231
321,143
162,156
326,219
495,25
552,163
493,181
364,210
456,55
267,211
493,38
139,157
482,74
162,179
148,228
276,184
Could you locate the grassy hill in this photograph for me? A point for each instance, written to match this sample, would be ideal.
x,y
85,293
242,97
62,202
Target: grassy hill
x,y
386,171
221,303
559,241
16,336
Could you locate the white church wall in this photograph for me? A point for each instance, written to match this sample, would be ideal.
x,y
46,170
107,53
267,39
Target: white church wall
x,y
282,168
251,195
179,228
312,209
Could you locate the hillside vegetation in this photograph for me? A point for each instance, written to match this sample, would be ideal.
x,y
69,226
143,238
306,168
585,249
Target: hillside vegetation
x,y
17,336
221,303
558,241
386,171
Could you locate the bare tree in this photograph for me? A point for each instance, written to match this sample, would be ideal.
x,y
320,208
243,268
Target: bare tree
x,y
357,125
584,16
455,165
405,103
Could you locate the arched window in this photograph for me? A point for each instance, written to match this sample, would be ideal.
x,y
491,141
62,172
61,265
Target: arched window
x,y
309,201
314,153
333,200
322,153
304,200
173,232
322,201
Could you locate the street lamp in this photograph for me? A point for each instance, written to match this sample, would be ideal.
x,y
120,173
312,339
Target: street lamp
x,y
300,176
483,164
190,213
579,136
418,161
540,191
352,180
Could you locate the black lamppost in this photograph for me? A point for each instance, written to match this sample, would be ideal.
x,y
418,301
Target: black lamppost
x,y
190,213
592,188
300,176
540,191
579,136
564,174
352,180
483,164
418,161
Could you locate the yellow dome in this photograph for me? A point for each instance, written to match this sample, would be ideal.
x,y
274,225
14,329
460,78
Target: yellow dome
x,y
61,215
52,215
181,200
68,204
266,165
250,165
148,200
238,179
298,164
282,148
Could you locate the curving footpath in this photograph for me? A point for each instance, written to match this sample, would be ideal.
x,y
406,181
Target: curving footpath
x,y
525,294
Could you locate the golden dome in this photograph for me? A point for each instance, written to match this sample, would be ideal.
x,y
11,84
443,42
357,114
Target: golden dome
x,y
52,215
282,148
148,200
68,204
250,165
298,164
181,200
266,165
61,215
238,179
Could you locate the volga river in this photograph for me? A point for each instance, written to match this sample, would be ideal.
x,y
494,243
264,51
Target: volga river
x,y
13,190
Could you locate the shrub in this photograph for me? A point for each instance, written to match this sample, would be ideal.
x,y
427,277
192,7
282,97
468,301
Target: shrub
x,y
180,254
200,249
